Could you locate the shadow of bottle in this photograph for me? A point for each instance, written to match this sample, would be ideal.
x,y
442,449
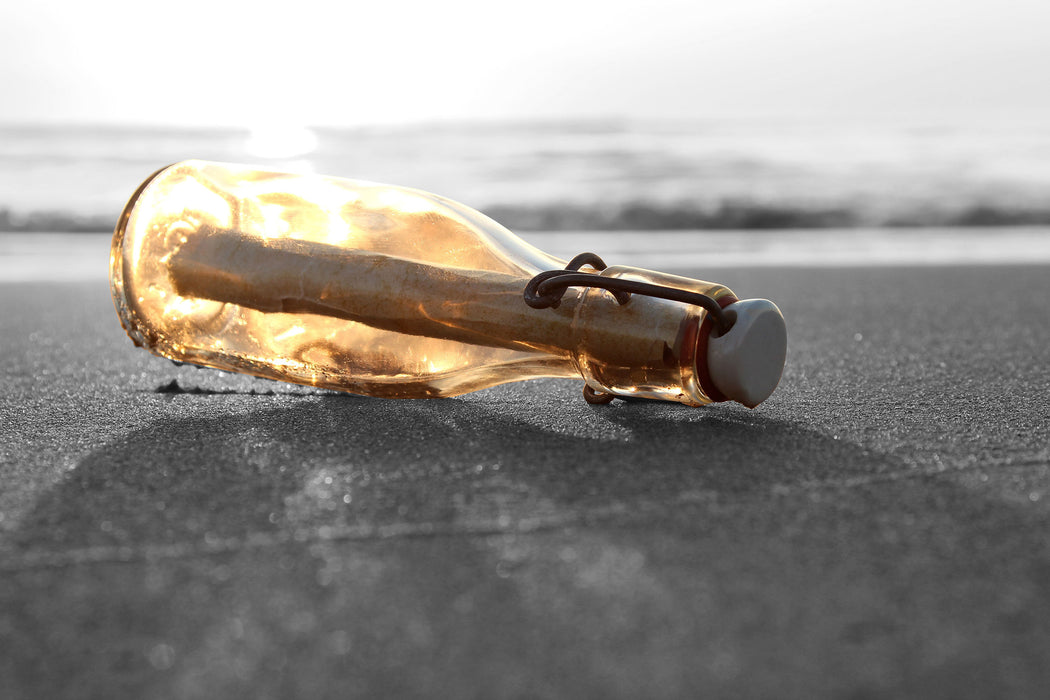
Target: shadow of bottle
x,y
352,462
664,514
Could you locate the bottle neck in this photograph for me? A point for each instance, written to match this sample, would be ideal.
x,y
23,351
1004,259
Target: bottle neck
x,y
648,347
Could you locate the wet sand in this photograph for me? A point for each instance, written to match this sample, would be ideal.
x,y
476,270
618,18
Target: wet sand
x,y
876,529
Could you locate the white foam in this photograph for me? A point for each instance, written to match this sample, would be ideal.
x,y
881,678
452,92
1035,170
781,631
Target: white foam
x,y
663,250
55,257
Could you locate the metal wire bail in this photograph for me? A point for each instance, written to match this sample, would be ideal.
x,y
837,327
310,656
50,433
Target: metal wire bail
x,y
545,291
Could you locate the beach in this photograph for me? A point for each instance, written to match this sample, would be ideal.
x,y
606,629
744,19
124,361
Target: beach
x,y
875,529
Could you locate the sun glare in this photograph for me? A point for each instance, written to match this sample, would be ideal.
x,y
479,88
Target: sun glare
x,y
281,141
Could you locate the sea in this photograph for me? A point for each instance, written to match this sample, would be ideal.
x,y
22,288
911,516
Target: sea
x,y
739,191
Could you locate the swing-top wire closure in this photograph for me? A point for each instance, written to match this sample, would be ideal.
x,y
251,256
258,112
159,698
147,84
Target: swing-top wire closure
x,y
545,290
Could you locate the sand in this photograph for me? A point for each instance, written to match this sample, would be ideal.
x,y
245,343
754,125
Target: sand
x,y
876,529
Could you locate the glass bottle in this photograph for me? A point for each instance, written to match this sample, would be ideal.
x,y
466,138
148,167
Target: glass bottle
x,y
393,292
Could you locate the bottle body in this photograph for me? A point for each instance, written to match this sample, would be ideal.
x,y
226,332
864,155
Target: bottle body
x,y
374,289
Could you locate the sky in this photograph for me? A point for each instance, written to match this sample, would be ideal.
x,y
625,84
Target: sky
x,y
321,62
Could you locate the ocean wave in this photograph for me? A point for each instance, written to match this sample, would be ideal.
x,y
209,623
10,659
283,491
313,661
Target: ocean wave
x,y
600,175
640,216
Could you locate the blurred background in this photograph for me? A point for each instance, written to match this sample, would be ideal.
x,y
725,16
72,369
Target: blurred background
x,y
567,115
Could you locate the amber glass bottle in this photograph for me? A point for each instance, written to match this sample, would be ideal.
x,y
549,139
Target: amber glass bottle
x,y
379,290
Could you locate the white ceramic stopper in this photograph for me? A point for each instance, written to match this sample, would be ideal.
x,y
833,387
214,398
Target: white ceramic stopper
x,y
746,363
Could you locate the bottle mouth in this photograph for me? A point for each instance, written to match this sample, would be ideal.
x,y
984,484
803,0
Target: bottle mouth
x,y
728,319
745,362
708,331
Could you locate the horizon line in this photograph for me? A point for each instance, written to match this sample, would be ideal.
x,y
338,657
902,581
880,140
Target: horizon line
x,y
903,118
